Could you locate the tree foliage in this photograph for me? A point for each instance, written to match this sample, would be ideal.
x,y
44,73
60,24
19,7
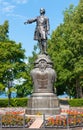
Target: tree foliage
x,y
27,87
4,31
11,58
66,43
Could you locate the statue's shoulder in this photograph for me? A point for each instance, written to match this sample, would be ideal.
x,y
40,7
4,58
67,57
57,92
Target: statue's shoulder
x,y
46,17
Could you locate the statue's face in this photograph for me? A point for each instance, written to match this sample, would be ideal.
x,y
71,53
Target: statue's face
x,y
42,11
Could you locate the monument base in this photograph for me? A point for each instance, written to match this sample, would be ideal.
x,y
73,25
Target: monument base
x,y
43,103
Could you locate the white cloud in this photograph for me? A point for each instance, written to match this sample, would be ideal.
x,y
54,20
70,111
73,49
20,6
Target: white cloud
x,y
8,8
20,1
17,16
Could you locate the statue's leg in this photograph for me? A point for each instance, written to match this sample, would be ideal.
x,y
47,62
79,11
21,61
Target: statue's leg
x,y
44,47
40,47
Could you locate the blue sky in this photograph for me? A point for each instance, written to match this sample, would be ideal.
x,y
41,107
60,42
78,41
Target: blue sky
x,y
18,11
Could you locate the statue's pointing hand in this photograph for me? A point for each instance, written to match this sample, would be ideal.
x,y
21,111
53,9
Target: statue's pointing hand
x,y
27,22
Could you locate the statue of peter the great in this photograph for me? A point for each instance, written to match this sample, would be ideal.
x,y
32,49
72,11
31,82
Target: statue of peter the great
x,y
41,30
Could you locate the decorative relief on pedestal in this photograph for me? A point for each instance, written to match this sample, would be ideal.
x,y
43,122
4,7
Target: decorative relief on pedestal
x,y
42,80
43,75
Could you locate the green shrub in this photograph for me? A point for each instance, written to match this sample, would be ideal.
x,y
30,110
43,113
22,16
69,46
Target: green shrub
x,y
76,102
3,102
20,102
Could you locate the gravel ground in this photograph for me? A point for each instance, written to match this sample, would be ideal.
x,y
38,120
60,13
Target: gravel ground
x,y
40,129
11,109
6,109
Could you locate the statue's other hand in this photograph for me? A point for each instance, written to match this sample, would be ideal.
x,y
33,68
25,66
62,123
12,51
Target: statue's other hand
x,y
48,33
25,22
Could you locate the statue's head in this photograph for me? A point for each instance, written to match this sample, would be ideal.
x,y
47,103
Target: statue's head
x,y
42,11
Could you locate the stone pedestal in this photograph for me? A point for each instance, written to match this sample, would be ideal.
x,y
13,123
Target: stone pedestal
x,y
43,100
43,103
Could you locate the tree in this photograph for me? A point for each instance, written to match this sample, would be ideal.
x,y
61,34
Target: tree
x,y
4,31
66,43
27,87
11,57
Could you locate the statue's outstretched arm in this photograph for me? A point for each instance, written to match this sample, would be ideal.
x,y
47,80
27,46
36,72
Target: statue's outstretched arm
x,y
30,21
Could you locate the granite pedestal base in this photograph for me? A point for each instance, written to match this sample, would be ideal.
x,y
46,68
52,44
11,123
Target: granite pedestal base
x,y
43,103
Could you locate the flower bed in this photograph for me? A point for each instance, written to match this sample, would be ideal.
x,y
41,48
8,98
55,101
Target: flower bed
x,y
69,118
16,119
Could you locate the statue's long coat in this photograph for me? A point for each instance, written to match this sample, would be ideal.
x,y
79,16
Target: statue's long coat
x,y
42,27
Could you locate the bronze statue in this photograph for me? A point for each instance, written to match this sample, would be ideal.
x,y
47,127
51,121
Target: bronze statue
x,y
41,30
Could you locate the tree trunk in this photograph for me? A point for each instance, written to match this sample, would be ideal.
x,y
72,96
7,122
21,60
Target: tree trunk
x,y
79,93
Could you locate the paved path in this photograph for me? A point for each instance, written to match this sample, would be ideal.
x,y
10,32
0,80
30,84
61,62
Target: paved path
x,y
37,123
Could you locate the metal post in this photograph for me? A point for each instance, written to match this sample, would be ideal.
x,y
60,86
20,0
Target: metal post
x,y
44,119
24,120
0,121
9,96
10,79
68,122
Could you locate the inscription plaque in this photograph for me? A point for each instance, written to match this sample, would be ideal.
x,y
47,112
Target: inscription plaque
x,y
42,80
